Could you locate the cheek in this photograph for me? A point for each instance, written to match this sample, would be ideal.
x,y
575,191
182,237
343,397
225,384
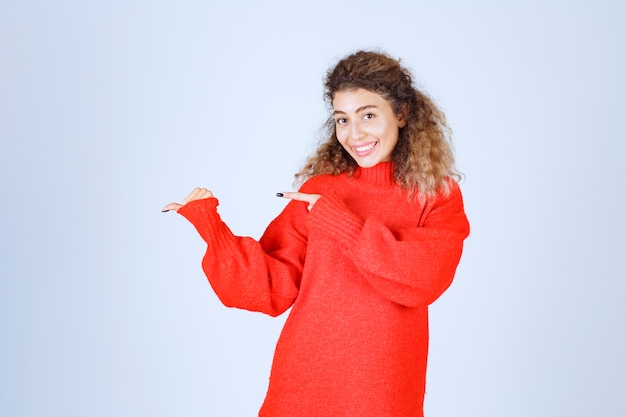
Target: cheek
x,y
391,133
341,137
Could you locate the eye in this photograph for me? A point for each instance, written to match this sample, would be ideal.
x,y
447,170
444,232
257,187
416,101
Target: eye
x,y
340,121
368,116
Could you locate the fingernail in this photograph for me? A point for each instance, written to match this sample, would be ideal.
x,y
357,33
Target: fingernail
x,y
279,194
164,211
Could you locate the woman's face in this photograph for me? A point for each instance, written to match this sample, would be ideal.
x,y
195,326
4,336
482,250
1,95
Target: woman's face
x,y
366,126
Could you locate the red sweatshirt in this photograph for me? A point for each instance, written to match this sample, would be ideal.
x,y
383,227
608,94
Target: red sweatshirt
x,y
359,270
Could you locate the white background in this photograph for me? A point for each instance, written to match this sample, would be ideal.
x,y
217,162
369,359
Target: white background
x,y
111,109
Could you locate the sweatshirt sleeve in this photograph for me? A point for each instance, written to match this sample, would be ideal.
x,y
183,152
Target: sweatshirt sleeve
x,y
411,266
254,275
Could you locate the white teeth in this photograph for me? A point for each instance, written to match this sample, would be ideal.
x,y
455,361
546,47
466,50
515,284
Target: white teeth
x,y
366,147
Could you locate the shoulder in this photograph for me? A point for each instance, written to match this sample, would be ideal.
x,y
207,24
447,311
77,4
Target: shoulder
x,y
322,182
447,195
450,197
449,189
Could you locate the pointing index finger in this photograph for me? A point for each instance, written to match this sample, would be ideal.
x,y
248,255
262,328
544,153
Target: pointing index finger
x,y
307,198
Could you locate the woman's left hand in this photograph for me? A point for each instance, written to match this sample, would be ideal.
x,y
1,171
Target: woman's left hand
x,y
311,199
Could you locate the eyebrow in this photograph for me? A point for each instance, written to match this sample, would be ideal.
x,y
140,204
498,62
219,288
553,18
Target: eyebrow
x,y
360,109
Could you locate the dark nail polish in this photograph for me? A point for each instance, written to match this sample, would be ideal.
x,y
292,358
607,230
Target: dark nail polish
x,y
164,211
279,194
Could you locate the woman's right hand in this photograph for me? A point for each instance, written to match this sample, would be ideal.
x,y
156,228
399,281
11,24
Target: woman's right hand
x,y
196,194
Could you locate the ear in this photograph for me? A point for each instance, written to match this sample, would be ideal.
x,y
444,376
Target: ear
x,y
402,115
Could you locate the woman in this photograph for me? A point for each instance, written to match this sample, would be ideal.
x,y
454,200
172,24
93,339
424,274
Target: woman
x,y
373,237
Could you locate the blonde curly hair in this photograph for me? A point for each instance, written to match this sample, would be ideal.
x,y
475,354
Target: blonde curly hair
x,y
422,158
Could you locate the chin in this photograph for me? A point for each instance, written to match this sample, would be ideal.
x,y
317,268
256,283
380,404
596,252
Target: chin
x,y
367,164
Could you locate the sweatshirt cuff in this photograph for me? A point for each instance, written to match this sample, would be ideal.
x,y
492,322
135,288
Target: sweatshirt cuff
x,y
202,214
331,217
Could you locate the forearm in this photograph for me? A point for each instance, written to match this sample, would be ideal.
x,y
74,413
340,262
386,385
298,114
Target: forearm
x,y
242,273
411,266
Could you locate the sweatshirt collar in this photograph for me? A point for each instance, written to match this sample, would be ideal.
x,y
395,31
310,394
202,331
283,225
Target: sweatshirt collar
x,y
380,174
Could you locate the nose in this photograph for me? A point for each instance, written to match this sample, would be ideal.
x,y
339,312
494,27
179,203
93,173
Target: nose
x,y
356,132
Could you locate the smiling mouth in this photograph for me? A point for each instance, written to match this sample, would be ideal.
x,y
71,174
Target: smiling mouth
x,y
365,148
